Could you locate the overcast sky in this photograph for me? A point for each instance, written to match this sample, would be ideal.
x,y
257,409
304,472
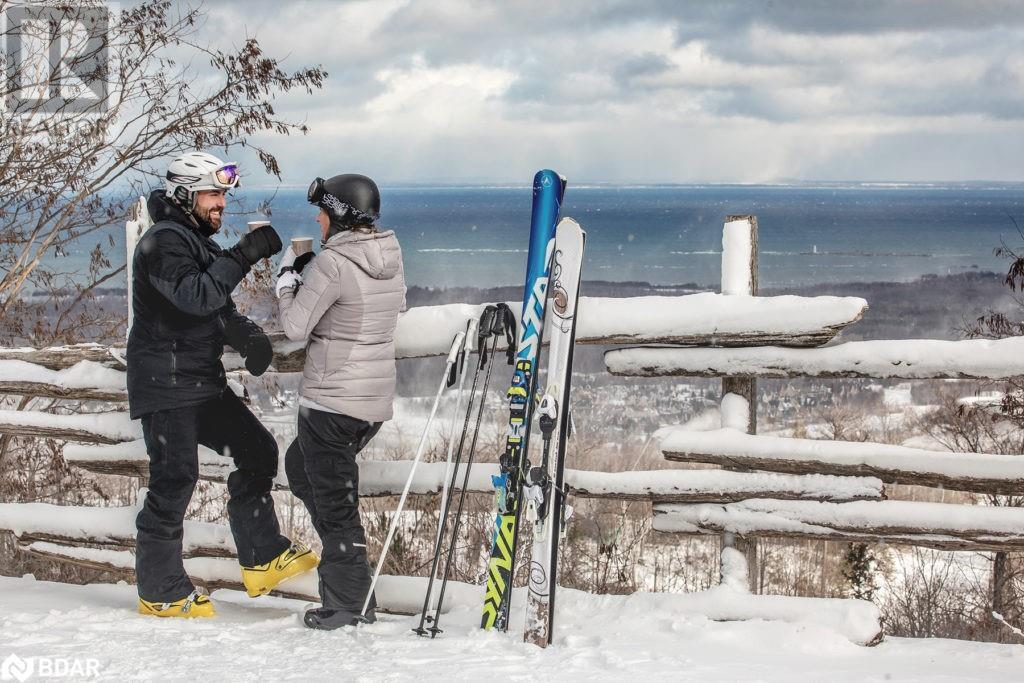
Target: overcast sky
x,y
636,92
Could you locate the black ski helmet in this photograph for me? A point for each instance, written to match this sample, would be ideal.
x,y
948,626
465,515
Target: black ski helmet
x,y
350,200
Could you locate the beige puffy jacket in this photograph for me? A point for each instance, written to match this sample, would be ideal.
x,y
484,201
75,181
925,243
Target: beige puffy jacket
x,y
347,308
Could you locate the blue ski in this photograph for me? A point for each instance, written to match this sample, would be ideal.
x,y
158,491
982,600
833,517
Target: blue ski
x,y
548,189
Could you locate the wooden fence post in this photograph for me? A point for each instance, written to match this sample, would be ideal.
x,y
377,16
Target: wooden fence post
x,y
739,277
139,222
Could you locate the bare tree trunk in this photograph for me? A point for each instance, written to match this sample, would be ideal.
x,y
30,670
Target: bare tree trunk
x,y
999,575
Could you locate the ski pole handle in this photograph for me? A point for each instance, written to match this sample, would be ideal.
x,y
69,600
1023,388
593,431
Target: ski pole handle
x,y
457,342
471,333
453,358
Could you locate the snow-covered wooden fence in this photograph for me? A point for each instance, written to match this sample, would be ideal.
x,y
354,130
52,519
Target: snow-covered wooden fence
x,y
737,447
705,319
769,486
936,525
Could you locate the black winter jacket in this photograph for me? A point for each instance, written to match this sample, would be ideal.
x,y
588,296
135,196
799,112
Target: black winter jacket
x,y
183,313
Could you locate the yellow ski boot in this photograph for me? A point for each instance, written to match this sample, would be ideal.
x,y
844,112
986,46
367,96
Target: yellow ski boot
x,y
262,579
195,605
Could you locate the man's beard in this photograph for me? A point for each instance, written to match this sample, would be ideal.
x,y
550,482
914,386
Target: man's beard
x,y
209,225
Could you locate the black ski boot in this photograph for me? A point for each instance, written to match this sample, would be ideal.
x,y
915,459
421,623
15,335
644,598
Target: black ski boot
x,y
333,614
324,619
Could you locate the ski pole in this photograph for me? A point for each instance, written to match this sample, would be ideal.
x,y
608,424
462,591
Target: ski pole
x,y
467,349
452,357
503,322
451,473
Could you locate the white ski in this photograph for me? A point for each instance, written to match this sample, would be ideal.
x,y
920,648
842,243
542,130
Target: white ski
x,y
543,494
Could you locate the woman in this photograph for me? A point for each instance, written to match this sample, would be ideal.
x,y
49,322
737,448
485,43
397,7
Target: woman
x,y
346,304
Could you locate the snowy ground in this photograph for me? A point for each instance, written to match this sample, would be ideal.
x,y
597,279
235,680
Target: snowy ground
x,y
600,638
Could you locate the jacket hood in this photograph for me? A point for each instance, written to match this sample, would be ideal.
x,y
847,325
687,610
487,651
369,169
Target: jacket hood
x,y
377,254
163,209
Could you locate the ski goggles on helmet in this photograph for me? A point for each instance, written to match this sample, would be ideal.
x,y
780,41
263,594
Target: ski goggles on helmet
x,y
315,193
226,176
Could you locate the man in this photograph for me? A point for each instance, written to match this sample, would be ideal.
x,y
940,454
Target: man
x,y
183,315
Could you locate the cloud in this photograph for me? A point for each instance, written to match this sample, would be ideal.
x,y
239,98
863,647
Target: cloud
x,y
647,91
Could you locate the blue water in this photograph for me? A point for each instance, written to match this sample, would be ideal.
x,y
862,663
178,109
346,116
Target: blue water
x,y
477,236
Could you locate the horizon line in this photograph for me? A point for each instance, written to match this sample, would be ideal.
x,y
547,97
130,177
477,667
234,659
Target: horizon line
x,y
585,184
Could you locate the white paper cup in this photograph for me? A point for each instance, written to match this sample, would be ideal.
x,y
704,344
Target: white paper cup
x,y
257,224
302,245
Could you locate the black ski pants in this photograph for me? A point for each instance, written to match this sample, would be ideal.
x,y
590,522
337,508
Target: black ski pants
x,y
227,426
323,473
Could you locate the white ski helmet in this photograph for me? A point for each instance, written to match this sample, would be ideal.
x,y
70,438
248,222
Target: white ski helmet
x,y
194,171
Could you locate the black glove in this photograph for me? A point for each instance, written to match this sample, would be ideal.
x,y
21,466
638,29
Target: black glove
x,y
249,340
258,353
263,242
303,261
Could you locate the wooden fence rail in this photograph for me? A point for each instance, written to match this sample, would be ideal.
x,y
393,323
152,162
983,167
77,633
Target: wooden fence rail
x,y
981,359
989,473
930,525
705,319
387,478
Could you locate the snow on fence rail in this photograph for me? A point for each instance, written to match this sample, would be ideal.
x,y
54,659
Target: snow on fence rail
x,y
386,478
701,319
977,472
103,428
86,380
706,319
884,359
63,357
932,525
104,526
